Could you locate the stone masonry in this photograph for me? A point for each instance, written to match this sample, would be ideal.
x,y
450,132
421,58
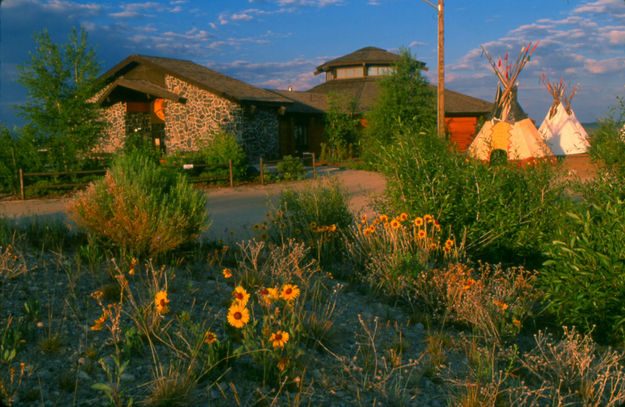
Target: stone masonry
x,y
191,125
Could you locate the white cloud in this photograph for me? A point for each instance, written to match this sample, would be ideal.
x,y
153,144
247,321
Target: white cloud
x,y
605,66
249,15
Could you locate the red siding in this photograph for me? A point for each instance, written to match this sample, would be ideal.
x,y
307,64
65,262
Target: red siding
x,y
461,130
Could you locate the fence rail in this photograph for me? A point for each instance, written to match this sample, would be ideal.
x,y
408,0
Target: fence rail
x,y
230,177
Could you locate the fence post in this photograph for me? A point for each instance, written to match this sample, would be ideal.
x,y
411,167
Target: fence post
x,y
262,172
231,177
21,174
314,163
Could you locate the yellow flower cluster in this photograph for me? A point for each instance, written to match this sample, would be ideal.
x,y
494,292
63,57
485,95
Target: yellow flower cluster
x,y
162,302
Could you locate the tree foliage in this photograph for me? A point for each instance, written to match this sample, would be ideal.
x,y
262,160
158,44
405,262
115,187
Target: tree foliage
x,y
405,100
341,127
15,153
59,80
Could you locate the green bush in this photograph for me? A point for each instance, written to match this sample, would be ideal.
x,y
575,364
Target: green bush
x,y
291,168
607,144
15,153
583,276
141,208
313,216
222,148
507,212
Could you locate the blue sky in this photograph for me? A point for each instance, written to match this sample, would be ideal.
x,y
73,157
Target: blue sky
x,y
278,43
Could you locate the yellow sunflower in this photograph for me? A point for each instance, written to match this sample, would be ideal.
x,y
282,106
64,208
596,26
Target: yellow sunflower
x,y
363,219
162,302
210,337
279,339
257,227
403,216
238,316
422,234
383,218
240,295
227,273
289,292
428,218
418,222
395,224
449,243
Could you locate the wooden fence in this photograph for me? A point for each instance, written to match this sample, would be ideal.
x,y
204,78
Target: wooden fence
x,y
230,177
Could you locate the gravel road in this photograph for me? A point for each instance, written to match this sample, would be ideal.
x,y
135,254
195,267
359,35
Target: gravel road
x,y
233,211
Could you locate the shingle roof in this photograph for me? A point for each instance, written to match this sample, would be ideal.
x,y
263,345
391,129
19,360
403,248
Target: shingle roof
x,y
367,55
141,86
366,91
304,102
201,76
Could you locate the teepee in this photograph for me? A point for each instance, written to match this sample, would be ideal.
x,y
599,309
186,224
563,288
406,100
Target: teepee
x,y
509,129
561,130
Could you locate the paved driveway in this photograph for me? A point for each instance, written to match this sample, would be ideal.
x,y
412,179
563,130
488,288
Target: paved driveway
x,y
233,211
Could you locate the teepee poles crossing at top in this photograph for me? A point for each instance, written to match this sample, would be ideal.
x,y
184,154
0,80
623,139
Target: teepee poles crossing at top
x,y
560,95
508,73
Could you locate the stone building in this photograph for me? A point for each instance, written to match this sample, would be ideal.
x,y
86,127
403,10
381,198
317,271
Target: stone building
x,y
181,105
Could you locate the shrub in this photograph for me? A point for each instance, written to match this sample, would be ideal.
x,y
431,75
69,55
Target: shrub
x,y
15,153
222,148
291,168
607,145
507,212
141,208
313,216
389,252
583,276
570,372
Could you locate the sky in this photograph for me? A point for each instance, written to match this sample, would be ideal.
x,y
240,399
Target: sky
x,y
279,43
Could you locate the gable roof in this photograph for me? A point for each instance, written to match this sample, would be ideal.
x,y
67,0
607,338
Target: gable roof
x,y
367,55
366,91
200,76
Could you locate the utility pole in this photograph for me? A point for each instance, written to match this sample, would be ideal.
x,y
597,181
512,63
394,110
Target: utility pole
x,y
440,108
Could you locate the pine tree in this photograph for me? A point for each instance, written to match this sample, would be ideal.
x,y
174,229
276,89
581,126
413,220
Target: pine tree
x,y
59,80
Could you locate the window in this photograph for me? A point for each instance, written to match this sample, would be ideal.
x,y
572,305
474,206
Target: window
x,y
379,70
351,72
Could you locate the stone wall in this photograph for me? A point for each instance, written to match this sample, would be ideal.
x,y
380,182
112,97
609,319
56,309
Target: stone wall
x,y
190,125
115,132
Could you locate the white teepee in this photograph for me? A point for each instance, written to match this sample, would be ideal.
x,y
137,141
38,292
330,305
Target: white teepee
x,y
561,130
509,129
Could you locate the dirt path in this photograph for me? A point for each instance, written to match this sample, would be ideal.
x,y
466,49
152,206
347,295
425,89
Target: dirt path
x,y
233,211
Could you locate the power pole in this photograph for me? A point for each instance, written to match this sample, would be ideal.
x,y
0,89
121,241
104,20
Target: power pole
x,y
440,108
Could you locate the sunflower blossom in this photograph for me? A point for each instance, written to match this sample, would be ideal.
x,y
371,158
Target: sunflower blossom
x,y
162,302
240,295
238,315
289,292
279,339
210,337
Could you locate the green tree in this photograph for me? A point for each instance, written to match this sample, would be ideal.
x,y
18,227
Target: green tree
x,y
15,153
406,100
59,80
341,127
